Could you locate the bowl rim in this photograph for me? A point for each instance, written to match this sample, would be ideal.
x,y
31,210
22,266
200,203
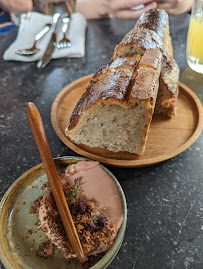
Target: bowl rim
x,y
111,253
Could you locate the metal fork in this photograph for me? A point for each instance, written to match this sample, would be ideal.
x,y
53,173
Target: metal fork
x,y
65,42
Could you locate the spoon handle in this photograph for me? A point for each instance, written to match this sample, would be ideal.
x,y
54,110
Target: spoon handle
x,y
38,132
42,32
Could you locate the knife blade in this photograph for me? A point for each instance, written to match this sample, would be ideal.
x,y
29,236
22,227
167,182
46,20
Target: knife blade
x,y
50,47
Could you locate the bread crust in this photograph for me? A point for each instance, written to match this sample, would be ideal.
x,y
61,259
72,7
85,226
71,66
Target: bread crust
x,y
156,20
152,31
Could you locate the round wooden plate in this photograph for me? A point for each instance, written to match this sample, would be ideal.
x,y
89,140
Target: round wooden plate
x,y
167,137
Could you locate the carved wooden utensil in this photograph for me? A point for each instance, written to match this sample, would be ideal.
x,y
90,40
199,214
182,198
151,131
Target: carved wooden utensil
x,y
38,132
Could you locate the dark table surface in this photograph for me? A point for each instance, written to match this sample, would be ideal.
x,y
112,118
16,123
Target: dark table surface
x,y
165,201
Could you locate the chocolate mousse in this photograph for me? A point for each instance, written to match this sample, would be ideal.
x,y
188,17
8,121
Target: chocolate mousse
x,y
95,205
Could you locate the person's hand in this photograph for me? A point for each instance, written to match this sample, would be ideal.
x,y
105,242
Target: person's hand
x,y
175,7
124,9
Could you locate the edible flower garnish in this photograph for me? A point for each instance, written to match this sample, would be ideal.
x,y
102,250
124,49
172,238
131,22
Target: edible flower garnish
x,y
82,205
98,221
75,189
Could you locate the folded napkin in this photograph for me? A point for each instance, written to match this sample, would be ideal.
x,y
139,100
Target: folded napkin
x,y
31,24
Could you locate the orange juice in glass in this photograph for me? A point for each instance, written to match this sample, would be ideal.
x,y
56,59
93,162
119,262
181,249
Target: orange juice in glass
x,y
195,38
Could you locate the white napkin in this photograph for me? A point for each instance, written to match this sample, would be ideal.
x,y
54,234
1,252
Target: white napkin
x,y
31,24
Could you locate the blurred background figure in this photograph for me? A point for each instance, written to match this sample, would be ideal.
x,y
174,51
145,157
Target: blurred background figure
x,y
129,9
95,9
92,9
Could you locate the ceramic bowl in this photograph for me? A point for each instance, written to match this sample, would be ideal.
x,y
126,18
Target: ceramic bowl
x,y
19,234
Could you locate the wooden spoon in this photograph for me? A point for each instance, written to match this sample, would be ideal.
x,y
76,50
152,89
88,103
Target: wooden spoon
x,y
38,132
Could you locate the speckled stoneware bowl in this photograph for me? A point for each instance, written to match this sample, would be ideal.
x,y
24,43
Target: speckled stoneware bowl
x,y
19,234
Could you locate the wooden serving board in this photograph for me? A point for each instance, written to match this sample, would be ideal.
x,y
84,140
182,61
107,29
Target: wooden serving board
x,y
167,137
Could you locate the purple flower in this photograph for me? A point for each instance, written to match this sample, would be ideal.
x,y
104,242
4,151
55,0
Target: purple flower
x,y
102,221
98,221
82,205
94,226
76,181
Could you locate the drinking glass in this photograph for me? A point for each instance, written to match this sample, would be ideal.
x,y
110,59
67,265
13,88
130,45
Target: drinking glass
x,y
195,38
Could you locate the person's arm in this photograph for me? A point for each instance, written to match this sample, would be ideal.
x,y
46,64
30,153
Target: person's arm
x,y
16,6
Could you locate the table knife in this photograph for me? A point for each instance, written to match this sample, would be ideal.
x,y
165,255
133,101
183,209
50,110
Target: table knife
x,y
51,45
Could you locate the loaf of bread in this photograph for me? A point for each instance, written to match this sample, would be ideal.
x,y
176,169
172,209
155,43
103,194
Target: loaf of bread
x,y
152,31
116,110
